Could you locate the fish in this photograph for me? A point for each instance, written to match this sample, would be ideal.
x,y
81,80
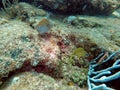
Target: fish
x,y
43,26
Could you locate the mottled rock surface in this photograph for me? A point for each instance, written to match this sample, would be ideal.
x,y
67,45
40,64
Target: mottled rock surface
x,y
35,81
81,6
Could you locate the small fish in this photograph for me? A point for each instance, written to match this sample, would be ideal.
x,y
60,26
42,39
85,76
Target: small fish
x,y
43,26
42,29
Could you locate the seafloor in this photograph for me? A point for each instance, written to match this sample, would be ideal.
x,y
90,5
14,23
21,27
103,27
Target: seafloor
x,y
40,50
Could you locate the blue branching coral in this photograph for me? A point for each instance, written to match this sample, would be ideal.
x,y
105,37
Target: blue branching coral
x,y
104,71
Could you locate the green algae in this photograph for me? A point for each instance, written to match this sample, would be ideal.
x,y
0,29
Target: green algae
x,y
79,53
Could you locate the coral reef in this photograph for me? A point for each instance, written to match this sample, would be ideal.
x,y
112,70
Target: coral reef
x,y
104,73
53,51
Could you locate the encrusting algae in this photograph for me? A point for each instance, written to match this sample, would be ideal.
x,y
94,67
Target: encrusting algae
x,y
79,52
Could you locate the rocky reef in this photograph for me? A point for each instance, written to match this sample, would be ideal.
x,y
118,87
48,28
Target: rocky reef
x,y
104,7
43,50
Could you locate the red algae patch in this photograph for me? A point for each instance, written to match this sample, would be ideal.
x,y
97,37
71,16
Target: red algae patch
x,y
49,48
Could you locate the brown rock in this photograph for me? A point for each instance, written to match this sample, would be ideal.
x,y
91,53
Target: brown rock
x,y
81,6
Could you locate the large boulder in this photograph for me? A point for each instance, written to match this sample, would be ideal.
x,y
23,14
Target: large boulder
x,y
105,7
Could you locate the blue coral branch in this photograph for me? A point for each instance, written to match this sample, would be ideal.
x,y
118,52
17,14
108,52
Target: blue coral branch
x,y
106,60
111,56
101,87
117,62
97,79
108,69
106,79
96,59
101,74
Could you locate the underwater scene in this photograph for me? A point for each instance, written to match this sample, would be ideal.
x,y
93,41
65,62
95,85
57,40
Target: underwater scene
x,y
59,44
